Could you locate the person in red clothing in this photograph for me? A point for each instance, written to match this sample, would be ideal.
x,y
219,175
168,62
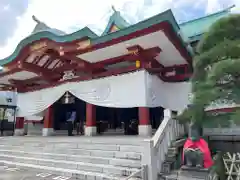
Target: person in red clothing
x,y
196,152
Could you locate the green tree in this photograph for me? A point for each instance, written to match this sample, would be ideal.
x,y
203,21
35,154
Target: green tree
x,y
216,78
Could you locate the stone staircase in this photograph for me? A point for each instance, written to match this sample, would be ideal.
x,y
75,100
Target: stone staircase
x,y
172,160
108,158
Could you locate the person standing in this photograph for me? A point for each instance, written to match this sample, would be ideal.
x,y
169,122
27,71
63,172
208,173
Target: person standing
x,y
70,122
2,126
2,121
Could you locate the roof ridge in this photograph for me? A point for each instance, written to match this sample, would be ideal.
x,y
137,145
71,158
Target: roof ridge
x,y
42,26
117,19
203,17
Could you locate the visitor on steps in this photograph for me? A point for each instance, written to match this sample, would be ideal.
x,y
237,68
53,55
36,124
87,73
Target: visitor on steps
x,y
70,122
2,127
79,127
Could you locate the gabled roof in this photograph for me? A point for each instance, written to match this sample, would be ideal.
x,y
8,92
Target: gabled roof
x,y
194,29
117,20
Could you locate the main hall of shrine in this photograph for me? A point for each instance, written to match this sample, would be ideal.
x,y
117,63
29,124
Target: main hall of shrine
x,y
130,72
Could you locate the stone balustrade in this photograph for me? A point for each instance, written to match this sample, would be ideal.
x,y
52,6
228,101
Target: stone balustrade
x,y
157,147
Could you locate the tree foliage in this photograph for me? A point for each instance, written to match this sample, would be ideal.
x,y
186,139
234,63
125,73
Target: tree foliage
x,y
216,78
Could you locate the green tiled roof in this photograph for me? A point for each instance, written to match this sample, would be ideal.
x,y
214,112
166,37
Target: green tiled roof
x,y
166,16
193,30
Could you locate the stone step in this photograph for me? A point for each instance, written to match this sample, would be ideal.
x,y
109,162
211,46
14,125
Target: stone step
x,y
179,142
80,141
98,168
122,148
171,176
131,140
93,153
170,158
172,150
75,158
77,174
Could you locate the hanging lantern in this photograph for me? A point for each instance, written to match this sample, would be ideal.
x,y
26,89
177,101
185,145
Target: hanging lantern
x,y
138,64
68,98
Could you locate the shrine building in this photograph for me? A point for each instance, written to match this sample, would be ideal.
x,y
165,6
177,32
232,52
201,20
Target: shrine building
x,y
132,72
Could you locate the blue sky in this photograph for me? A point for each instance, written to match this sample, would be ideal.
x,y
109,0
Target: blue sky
x,y
71,15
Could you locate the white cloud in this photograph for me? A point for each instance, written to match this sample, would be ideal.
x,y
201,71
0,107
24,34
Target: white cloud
x,y
70,15
6,8
216,5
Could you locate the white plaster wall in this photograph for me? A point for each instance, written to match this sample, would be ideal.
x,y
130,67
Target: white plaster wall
x,y
4,95
172,96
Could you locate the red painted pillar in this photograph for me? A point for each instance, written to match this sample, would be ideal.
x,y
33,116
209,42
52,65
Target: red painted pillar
x,y
144,116
19,126
48,122
144,127
19,123
90,129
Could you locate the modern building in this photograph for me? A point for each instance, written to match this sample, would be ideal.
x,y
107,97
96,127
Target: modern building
x,y
131,73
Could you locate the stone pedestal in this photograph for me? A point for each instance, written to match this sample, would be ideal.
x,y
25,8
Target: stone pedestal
x,y
18,132
47,131
33,129
90,130
187,173
145,130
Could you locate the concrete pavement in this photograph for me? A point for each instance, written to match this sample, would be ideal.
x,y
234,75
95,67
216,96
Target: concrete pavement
x,y
14,173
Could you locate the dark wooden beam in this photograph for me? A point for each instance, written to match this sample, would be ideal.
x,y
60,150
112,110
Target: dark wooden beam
x,y
138,50
26,81
79,61
87,77
155,70
148,58
38,58
17,84
131,56
176,73
79,64
14,81
94,69
7,88
46,74
177,78
14,70
83,65
68,67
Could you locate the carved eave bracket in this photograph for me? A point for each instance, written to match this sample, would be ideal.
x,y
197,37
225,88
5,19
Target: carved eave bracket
x,y
145,58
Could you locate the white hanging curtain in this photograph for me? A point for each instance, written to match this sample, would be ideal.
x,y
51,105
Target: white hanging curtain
x,y
126,90
35,117
32,103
